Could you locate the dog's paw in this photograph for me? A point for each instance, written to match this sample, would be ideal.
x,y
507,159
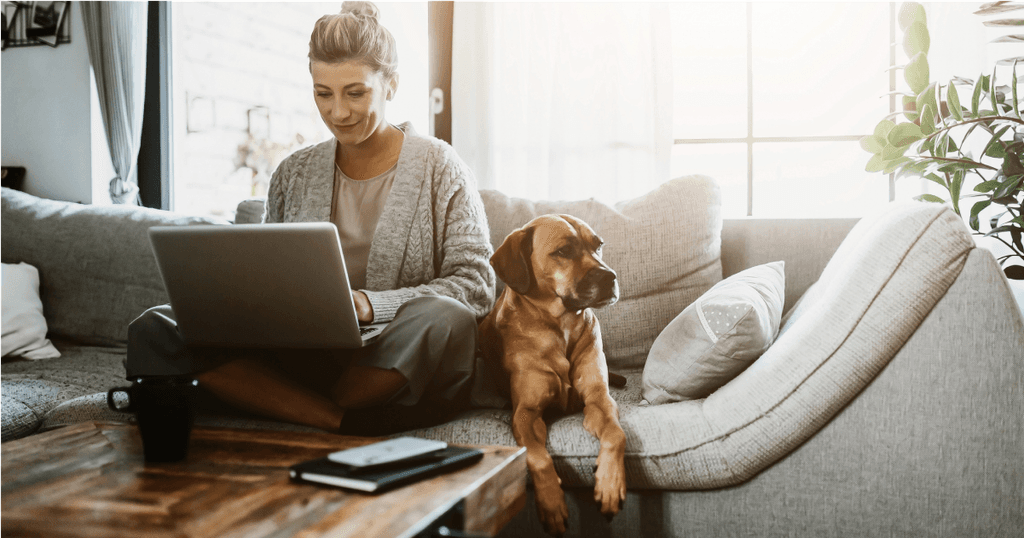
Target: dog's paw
x,y
552,510
610,489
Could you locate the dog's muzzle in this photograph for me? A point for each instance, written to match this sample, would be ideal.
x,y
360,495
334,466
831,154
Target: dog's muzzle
x,y
598,288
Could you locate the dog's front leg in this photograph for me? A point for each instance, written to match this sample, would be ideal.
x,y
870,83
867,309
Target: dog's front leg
x,y
601,418
530,398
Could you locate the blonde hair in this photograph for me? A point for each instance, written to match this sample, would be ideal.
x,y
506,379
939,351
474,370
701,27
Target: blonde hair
x,y
355,34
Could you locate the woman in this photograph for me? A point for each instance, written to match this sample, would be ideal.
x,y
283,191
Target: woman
x,y
415,241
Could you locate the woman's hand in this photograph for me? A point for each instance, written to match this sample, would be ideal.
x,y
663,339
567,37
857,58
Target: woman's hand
x,y
364,310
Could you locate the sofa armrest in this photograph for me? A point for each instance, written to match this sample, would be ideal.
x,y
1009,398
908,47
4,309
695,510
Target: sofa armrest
x,y
806,245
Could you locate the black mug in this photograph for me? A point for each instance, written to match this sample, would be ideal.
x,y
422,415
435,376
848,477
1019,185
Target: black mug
x,y
165,408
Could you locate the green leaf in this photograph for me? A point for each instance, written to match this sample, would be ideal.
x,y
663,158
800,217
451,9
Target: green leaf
x,y
929,198
994,142
1013,86
883,128
927,119
909,108
916,39
911,12
975,210
976,98
954,102
916,73
872,144
890,153
891,166
904,134
931,145
915,169
936,179
875,164
1006,187
996,151
992,91
986,186
927,96
999,230
964,165
954,189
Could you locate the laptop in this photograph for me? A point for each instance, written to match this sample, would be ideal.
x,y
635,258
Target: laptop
x,y
260,285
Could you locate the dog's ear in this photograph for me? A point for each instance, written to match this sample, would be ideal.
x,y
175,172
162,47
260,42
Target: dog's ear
x,y
511,261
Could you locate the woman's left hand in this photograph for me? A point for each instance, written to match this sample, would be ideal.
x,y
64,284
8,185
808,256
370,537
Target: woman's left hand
x,y
364,310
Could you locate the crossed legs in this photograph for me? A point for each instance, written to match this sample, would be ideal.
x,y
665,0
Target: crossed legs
x,y
252,385
432,340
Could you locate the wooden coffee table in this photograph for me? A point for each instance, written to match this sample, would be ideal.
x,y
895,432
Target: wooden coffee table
x,y
90,480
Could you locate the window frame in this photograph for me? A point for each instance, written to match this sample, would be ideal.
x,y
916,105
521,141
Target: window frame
x,y
154,163
749,140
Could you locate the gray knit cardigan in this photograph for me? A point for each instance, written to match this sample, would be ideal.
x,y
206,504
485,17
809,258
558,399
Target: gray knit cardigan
x,y
431,239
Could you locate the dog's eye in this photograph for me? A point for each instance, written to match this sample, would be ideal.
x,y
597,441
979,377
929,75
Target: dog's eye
x,y
564,252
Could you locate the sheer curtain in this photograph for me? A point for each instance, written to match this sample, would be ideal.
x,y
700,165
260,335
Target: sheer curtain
x,y
116,33
563,100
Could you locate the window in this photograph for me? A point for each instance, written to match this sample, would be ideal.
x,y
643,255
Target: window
x,y
771,100
242,96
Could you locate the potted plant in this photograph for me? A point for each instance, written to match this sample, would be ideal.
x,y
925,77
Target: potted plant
x,y
969,140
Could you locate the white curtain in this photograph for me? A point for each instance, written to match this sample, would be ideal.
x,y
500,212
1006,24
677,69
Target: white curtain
x,y
116,33
563,100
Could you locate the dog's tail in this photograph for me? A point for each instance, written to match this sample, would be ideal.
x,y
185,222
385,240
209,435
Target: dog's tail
x,y
616,380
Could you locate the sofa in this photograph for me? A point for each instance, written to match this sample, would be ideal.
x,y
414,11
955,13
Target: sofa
x,y
891,402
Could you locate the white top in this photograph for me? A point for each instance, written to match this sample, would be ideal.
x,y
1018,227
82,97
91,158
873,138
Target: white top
x,y
358,205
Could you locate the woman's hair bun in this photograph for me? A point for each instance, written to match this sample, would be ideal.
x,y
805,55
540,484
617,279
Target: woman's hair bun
x,y
361,9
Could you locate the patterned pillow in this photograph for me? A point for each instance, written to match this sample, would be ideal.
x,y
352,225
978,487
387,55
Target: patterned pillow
x,y
716,337
664,245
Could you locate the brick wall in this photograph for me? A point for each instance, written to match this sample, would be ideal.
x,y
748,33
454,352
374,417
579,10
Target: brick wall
x,y
241,82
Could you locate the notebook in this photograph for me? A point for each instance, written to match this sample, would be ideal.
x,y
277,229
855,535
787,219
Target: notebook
x,y
259,285
376,480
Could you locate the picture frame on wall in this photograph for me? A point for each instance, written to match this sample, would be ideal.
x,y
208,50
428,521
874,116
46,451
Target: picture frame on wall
x,y
11,12
45,20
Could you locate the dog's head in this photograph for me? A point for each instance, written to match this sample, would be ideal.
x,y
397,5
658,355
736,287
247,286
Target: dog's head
x,y
557,257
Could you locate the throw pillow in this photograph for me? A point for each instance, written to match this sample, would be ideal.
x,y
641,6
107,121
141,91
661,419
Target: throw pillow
x,y
716,337
24,327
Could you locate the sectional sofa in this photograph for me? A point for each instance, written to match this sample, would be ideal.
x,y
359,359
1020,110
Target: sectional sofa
x,y
890,404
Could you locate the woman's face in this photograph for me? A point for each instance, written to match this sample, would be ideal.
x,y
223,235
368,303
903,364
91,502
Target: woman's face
x,y
351,98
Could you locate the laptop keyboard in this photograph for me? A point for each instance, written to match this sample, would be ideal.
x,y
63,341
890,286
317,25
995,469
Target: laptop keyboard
x,y
365,330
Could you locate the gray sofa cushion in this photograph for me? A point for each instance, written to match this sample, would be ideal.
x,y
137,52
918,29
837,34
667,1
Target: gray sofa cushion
x,y
19,419
96,269
664,245
31,389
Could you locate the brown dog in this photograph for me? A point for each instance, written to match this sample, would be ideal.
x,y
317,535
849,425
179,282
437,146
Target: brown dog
x,y
549,343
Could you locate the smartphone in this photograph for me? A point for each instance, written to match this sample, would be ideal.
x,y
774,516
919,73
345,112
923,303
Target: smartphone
x,y
385,452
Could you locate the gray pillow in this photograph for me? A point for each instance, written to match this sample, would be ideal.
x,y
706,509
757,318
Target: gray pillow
x,y
716,337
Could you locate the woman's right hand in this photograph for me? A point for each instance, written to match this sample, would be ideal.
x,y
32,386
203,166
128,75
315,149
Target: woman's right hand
x,y
364,310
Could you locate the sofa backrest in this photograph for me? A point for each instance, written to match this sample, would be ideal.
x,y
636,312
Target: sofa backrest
x,y
97,272
665,246
806,245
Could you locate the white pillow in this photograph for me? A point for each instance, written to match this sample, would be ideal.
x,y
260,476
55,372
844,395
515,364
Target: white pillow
x,y
24,327
716,337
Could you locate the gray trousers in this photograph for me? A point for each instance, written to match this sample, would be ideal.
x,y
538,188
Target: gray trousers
x,y
431,342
